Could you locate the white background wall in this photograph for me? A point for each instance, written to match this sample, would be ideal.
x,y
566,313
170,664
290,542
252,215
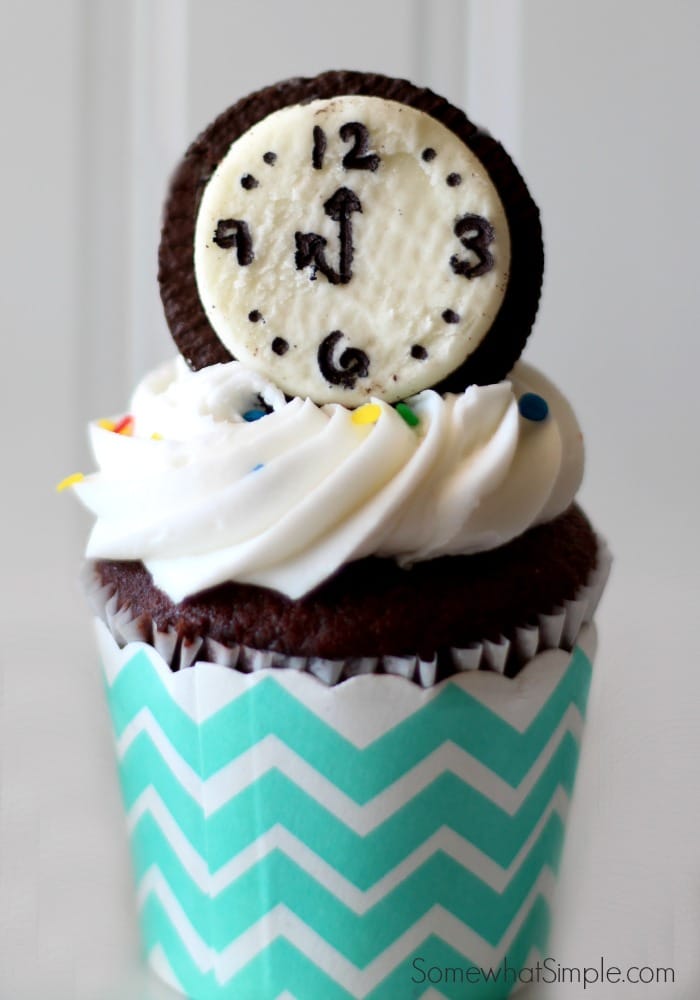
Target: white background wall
x,y
597,102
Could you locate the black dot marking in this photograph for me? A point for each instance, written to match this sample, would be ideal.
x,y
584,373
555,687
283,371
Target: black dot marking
x,y
450,316
454,180
249,182
269,158
255,316
428,154
419,352
280,346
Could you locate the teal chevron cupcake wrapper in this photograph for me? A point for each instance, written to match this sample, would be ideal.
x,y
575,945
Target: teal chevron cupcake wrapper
x,y
295,839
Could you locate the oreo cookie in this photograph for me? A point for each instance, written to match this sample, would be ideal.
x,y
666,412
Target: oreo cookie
x,y
349,236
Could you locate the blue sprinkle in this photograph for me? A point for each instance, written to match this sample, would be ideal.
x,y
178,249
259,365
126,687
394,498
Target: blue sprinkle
x,y
533,407
257,467
251,415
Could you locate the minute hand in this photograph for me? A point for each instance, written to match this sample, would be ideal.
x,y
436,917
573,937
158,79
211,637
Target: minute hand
x,y
311,247
340,207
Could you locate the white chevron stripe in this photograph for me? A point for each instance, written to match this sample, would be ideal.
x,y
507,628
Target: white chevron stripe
x,y
587,639
272,754
514,700
359,982
153,883
162,967
149,803
532,956
144,722
282,922
358,900
206,689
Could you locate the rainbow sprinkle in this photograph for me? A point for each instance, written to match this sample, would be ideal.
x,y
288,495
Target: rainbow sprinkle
x,y
155,436
533,407
251,415
125,425
367,414
69,481
405,411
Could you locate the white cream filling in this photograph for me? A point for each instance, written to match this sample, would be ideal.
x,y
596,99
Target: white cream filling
x,y
400,280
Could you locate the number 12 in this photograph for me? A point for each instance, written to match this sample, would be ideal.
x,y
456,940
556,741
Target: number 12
x,y
357,158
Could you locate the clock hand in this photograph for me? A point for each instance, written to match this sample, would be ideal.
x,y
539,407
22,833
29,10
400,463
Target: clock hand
x,y
310,252
311,247
340,207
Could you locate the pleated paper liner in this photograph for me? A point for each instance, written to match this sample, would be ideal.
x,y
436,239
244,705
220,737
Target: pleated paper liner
x,y
556,628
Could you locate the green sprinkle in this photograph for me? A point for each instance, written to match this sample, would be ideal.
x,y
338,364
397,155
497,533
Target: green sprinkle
x,y
405,411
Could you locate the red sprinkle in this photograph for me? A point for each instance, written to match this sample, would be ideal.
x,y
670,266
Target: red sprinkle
x,y
125,425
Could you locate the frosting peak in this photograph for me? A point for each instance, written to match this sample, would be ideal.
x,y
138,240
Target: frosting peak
x,y
224,479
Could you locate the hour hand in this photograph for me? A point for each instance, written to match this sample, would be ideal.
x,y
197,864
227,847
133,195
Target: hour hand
x,y
311,252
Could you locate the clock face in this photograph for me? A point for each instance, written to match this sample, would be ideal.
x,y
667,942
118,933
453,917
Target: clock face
x,y
351,247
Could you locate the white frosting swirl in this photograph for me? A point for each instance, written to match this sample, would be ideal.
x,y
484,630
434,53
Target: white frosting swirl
x,y
284,501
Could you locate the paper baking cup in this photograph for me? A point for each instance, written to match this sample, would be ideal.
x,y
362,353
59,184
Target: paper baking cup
x,y
369,839
556,628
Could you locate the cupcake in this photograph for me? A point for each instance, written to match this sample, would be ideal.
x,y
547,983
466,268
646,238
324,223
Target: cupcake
x,y
344,594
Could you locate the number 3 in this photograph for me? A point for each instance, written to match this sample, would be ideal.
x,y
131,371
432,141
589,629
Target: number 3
x,y
475,233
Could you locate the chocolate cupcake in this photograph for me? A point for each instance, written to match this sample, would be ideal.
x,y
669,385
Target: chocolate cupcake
x,y
344,591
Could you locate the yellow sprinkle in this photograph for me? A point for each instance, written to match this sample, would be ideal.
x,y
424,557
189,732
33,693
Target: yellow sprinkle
x,y
77,477
367,414
155,436
106,425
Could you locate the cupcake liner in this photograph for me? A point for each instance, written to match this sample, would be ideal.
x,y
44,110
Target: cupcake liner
x,y
557,628
298,837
